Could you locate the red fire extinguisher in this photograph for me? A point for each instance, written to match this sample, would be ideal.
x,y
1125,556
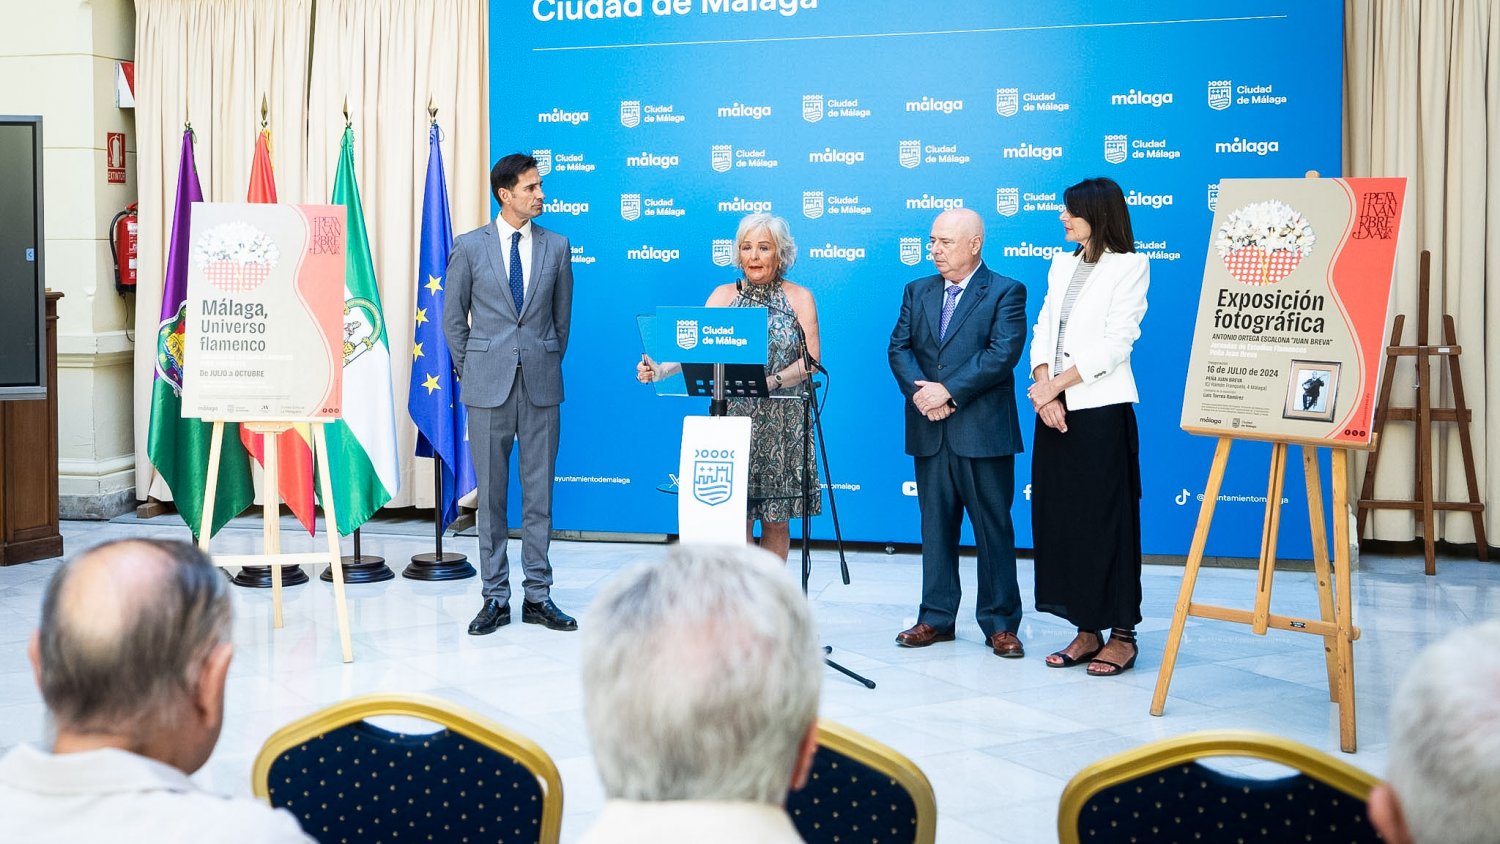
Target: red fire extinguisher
x,y
123,248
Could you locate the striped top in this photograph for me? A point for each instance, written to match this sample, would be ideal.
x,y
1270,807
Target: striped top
x,y
1075,285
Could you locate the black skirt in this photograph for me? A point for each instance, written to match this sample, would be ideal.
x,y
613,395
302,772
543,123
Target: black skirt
x,y
1086,518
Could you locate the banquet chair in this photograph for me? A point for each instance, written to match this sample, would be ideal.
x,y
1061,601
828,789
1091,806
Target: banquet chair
x,y
862,792
1160,792
348,780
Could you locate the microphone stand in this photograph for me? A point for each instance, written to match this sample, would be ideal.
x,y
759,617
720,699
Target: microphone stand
x,y
812,417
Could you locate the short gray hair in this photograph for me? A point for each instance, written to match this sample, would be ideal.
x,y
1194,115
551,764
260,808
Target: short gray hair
x,y
701,675
124,630
786,247
1444,759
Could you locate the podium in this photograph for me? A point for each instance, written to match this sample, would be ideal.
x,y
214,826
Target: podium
x,y
719,353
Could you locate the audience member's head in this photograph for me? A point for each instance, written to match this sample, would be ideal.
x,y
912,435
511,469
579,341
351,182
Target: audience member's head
x,y
133,649
701,676
1443,780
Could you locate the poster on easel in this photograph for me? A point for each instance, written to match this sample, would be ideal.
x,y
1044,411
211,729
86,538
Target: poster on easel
x,y
265,328
1293,312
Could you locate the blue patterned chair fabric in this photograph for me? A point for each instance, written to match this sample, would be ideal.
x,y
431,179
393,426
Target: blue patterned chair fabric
x,y
867,794
1159,793
348,780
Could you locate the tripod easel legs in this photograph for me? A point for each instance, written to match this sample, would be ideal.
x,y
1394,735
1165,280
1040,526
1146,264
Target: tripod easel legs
x,y
1335,623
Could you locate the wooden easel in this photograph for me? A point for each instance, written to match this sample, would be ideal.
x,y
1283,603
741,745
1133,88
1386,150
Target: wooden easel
x,y
1424,414
271,529
1335,624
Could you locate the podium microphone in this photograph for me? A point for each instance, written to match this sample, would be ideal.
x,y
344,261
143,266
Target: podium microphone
x,y
739,287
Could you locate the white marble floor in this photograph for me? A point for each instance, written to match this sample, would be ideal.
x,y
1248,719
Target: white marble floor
x,y
998,738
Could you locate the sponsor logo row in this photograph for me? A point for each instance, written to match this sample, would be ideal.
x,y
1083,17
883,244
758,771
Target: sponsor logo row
x,y
1222,94
910,251
910,154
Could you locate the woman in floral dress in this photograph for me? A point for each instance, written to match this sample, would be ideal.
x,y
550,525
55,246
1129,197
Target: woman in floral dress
x,y
764,252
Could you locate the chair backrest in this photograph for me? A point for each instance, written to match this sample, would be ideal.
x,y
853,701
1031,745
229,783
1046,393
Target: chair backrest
x,y
862,792
1160,793
348,780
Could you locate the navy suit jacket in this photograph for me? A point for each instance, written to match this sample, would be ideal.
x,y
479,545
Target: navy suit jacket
x,y
975,361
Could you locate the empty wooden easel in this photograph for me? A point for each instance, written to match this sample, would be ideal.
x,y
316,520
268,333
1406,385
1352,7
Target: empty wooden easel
x,y
1424,499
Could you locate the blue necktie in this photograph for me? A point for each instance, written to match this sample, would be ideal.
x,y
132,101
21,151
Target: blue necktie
x,y
948,305
516,287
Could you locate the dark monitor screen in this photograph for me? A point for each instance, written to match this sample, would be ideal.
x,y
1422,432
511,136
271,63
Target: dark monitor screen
x,y
23,371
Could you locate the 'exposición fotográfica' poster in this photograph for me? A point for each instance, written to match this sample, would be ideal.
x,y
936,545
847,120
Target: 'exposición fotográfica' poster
x,y
1293,311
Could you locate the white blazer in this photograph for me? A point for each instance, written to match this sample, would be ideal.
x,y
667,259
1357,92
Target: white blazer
x,y
1102,326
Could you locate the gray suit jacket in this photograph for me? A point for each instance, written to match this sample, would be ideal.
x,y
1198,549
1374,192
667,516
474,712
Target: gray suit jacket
x,y
486,336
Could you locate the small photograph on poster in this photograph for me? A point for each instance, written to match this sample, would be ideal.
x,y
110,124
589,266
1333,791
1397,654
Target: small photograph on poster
x,y
1311,390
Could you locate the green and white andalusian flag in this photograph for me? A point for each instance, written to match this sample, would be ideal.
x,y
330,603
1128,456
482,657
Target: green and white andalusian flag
x,y
362,445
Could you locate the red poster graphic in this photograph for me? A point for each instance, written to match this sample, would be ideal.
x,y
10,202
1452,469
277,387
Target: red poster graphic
x,y
114,158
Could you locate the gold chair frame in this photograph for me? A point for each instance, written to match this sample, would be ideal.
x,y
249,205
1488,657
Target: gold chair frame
x,y
891,762
1191,747
465,722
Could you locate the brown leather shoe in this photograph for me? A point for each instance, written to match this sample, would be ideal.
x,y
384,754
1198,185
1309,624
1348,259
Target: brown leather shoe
x,y
1007,644
921,635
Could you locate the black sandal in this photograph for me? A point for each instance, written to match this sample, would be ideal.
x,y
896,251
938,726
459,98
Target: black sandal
x,y
1065,661
1110,669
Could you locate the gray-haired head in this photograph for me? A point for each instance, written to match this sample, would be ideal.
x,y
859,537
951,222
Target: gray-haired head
x,y
701,676
780,232
124,631
1444,759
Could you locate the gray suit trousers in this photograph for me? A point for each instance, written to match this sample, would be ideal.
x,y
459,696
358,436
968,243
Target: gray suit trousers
x,y
492,431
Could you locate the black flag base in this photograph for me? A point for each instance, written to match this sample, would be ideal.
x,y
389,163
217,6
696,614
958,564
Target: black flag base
x,y
439,566
360,568
363,568
259,577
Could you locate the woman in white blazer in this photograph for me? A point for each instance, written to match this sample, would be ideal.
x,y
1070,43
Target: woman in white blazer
x,y
1085,466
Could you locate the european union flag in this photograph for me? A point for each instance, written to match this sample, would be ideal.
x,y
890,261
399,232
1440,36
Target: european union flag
x,y
442,421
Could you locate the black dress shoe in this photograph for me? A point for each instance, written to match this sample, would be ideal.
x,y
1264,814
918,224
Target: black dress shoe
x,y
546,612
492,616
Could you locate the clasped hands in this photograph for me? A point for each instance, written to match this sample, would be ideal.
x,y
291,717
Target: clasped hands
x,y
1048,408
933,401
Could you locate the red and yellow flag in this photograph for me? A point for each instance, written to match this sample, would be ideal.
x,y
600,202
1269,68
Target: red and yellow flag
x,y
294,461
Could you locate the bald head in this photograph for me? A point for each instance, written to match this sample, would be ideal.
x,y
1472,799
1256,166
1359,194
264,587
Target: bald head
x,y
956,240
125,628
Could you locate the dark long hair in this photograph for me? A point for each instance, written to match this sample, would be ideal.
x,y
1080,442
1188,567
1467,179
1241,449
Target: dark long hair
x,y
1101,204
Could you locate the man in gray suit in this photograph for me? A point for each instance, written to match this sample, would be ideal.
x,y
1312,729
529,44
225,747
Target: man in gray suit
x,y
509,304
953,352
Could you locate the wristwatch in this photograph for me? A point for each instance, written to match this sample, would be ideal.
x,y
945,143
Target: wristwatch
x,y
778,380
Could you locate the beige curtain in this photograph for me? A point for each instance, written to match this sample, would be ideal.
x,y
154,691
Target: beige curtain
x,y
388,59
209,63
1422,100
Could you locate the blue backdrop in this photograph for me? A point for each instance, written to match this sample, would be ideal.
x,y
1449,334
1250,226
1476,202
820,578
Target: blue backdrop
x,y
660,123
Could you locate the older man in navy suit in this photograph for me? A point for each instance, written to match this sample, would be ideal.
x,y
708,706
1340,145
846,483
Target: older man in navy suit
x,y
954,352
506,318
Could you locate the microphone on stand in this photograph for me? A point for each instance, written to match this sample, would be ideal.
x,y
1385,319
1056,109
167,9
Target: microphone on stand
x,y
814,364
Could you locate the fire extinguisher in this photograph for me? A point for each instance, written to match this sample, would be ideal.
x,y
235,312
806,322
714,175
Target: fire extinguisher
x,y
123,248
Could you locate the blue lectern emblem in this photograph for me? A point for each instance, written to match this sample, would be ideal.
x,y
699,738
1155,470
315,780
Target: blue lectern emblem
x,y
1007,201
910,154
543,161
1114,148
1218,94
630,113
630,206
1213,197
812,107
687,333
713,481
1007,101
